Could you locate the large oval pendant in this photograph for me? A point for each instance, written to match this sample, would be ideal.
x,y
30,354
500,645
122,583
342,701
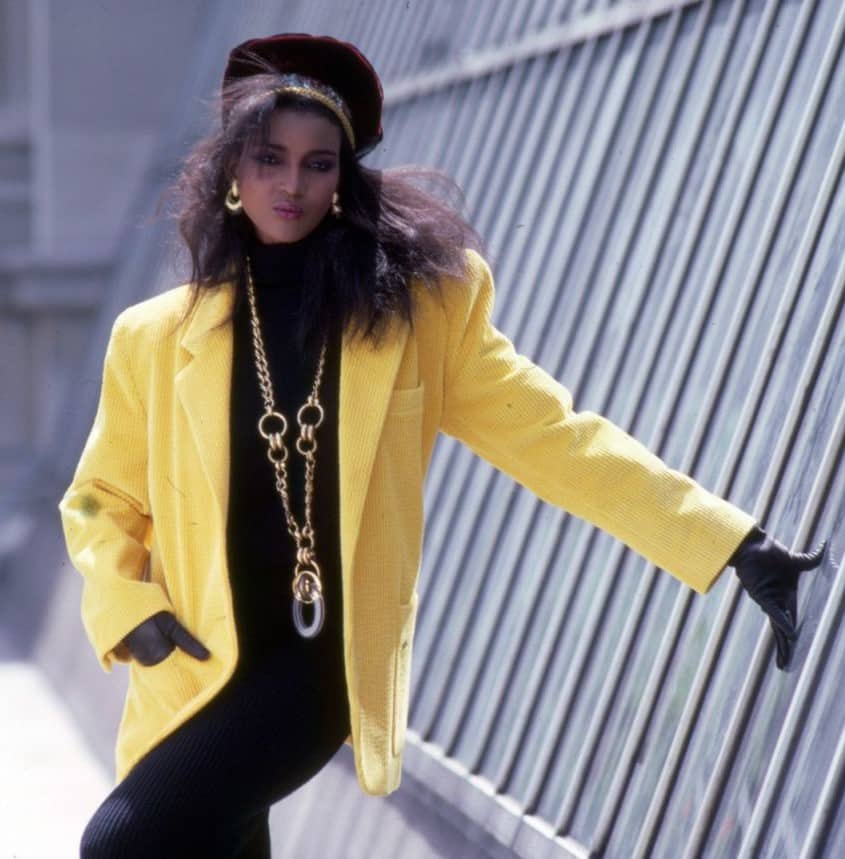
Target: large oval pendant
x,y
318,609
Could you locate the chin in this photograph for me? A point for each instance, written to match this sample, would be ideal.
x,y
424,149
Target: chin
x,y
288,236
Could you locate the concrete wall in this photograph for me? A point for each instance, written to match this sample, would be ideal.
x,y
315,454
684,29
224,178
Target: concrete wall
x,y
85,90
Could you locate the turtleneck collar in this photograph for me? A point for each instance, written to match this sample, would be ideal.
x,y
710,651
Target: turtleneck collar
x,y
278,265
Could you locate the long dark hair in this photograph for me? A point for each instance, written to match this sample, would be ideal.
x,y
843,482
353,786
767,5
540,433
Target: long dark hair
x,y
398,225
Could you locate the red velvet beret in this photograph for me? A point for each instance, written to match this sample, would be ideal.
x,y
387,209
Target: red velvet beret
x,y
338,64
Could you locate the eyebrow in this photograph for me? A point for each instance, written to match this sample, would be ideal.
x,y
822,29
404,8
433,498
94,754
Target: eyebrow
x,y
283,148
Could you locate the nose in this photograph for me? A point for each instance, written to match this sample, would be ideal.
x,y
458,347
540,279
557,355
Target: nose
x,y
291,181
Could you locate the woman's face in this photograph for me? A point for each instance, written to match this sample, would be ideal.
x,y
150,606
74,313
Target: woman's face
x,y
286,184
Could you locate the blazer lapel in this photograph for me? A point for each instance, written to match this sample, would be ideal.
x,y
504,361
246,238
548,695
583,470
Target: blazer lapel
x,y
367,374
204,387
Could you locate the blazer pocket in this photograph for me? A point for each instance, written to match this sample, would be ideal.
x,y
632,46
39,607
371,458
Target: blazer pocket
x,y
407,616
166,686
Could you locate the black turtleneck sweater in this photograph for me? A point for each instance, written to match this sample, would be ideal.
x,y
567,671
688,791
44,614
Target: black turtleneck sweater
x,y
261,552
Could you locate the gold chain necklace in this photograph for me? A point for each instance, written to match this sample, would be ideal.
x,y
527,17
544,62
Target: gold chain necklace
x,y
307,583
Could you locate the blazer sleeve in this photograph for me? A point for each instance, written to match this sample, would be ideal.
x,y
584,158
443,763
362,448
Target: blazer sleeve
x,y
106,514
520,419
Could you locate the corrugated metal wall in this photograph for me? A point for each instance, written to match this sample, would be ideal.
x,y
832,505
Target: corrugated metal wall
x,y
660,185
664,209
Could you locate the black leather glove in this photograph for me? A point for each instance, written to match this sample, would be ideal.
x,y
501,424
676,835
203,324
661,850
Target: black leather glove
x,y
769,572
153,640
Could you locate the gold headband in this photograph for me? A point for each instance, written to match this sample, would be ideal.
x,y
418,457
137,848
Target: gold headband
x,y
322,93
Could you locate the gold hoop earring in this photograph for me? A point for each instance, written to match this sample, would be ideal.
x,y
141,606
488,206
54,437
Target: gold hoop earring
x,y
337,211
233,199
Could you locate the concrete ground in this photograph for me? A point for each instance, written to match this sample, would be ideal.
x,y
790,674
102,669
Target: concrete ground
x,y
50,782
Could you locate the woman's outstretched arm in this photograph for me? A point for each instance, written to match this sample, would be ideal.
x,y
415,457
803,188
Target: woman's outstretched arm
x,y
523,421
519,418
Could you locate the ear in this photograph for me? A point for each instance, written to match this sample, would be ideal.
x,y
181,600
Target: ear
x,y
232,168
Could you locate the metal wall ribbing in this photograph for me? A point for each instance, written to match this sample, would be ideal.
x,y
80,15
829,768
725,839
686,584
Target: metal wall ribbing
x,y
662,209
660,187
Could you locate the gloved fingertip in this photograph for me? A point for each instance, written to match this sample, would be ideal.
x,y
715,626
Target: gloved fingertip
x,y
782,653
812,559
782,621
198,651
784,643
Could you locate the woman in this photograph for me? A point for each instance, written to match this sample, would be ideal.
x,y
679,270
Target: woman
x,y
247,512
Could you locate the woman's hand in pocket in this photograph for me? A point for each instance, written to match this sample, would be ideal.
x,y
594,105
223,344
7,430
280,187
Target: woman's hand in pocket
x,y
153,640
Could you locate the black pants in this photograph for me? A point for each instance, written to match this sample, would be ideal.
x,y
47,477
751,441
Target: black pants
x,y
206,790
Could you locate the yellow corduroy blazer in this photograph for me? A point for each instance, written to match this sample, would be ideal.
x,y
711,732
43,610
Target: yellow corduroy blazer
x,y
145,515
